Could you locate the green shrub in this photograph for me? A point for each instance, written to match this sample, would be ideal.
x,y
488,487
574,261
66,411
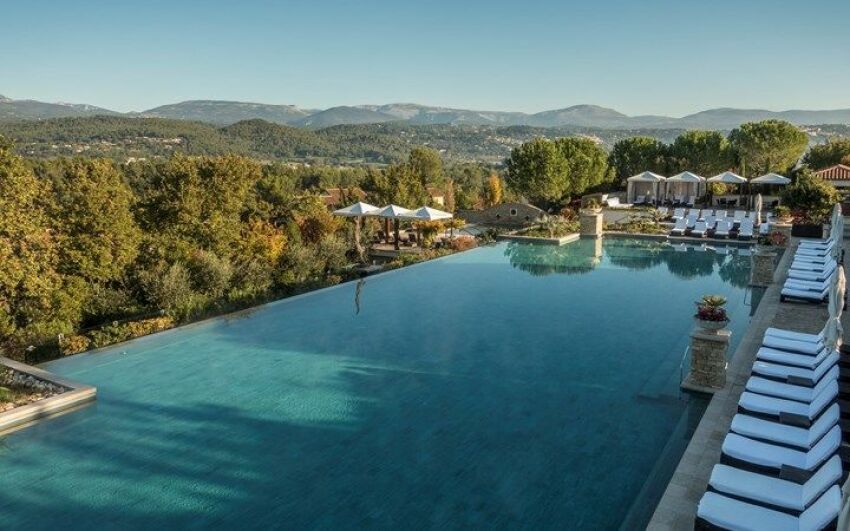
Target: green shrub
x,y
810,197
210,274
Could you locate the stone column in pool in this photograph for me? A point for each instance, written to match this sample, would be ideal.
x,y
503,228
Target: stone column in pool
x,y
708,360
591,223
761,273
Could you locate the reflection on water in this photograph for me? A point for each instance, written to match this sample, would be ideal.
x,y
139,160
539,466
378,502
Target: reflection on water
x,y
685,261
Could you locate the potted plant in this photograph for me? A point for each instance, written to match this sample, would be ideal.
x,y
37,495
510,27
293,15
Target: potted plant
x,y
593,206
783,214
711,314
768,243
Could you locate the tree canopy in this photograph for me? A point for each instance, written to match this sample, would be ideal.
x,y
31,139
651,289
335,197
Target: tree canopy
x,y
767,146
551,172
637,154
705,153
835,151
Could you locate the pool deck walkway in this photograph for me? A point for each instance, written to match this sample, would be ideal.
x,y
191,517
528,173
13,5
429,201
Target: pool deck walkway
x,y
678,505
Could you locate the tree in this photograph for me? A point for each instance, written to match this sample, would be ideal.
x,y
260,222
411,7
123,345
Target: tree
x,y
637,154
426,165
811,196
494,190
548,173
767,146
199,203
100,237
705,153
450,195
31,289
397,184
835,151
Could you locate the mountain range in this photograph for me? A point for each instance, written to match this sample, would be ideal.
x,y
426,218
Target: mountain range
x,y
228,112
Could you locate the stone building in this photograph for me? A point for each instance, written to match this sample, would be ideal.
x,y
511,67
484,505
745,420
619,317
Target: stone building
x,y
509,215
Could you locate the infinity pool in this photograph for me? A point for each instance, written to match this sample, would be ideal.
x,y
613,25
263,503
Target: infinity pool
x,y
508,386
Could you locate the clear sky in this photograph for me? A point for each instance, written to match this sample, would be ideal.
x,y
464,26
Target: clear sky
x,y
638,56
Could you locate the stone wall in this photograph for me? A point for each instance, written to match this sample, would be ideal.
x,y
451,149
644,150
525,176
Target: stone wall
x,y
510,215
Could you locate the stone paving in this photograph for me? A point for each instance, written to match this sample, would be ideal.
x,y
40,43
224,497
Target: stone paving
x,y
677,508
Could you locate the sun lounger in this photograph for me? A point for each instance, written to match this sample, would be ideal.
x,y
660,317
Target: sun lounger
x,y
805,251
807,265
772,431
678,214
796,336
615,202
679,227
808,361
796,375
700,229
804,294
782,408
776,491
764,386
730,513
810,348
817,244
812,285
739,215
764,229
641,199
771,457
745,232
816,275
816,260
720,214
722,230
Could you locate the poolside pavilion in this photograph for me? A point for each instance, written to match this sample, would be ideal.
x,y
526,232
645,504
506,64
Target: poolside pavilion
x,y
730,178
684,188
646,185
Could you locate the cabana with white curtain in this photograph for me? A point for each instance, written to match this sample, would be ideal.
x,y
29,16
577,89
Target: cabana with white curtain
x,y
646,185
684,188
770,183
728,177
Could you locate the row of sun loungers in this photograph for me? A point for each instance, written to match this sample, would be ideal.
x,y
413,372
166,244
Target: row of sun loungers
x,y
813,271
783,459
724,228
701,214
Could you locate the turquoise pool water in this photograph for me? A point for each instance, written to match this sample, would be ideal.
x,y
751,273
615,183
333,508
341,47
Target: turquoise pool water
x,y
509,386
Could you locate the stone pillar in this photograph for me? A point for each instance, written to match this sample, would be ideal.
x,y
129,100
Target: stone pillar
x,y
761,273
591,224
784,228
708,360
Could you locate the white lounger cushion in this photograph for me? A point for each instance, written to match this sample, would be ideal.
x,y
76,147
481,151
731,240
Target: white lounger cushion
x,y
784,371
796,336
729,513
803,265
805,294
773,456
775,491
808,361
805,251
770,430
812,276
763,386
812,259
770,405
792,345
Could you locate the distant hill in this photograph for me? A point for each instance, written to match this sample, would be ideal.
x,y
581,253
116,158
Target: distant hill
x,y
344,116
38,110
227,112
591,116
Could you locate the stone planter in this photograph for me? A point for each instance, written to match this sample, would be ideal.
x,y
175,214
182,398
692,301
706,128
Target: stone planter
x,y
591,223
807,230
711,326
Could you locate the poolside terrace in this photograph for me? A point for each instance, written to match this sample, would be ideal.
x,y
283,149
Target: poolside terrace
x,y
678,506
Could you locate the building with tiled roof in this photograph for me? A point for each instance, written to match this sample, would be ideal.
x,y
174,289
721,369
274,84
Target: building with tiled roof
x,y
838,175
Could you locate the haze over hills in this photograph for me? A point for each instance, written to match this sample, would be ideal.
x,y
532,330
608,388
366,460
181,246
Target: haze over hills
x,y
228,112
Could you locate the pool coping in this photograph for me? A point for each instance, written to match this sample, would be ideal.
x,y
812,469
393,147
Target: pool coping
x,y
540,240
77,394
676,510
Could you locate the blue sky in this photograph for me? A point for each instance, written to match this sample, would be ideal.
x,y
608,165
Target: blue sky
x,y
640,57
